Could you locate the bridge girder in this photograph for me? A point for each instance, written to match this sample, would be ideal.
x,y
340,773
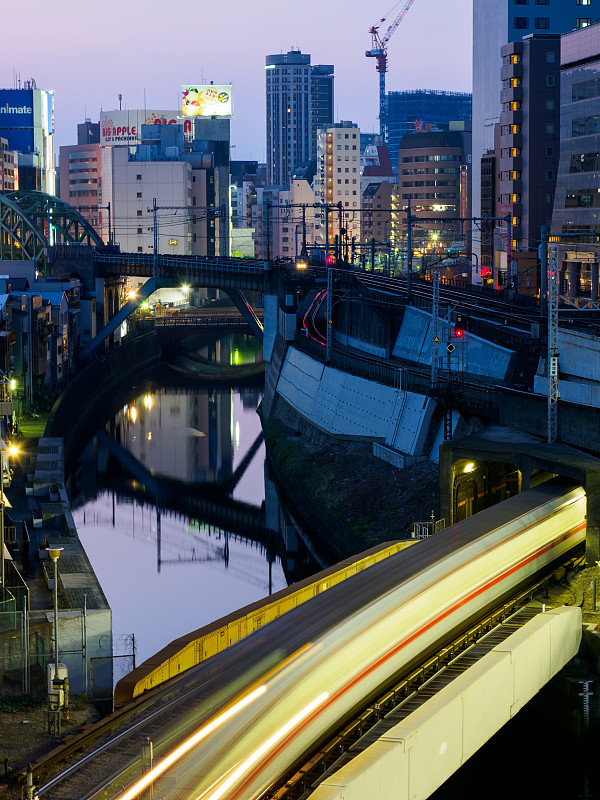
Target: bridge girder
x,y
30,222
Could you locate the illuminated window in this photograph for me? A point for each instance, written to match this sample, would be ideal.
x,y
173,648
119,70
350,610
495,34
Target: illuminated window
x,y
515,198
514,175
515,58
515,220
515,151
515,105
514,82
515,129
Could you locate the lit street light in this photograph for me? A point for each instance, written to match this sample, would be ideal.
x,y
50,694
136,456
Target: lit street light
x,y
54,553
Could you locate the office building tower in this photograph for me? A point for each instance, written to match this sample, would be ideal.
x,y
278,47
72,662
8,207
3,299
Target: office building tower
x,y
434,176
80,171
321,101
88,132
527,158
422,110
27,123
495,23
299,102
338,181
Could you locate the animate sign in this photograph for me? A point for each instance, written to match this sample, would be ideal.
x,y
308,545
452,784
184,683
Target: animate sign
x,y
6,109
125,127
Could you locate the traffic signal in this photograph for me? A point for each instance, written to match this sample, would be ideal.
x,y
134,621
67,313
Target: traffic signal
x,y
459,329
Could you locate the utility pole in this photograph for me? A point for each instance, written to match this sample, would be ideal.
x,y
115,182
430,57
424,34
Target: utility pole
x,y
552,358
329,311
155,228
409,221
543,254
326,230
510,279
340,219
435,313
268,232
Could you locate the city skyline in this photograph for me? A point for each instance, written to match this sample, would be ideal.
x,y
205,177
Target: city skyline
x,y
144,60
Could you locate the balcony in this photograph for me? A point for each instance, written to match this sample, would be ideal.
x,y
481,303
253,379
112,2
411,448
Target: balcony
x,y
511,71
511,117
511,93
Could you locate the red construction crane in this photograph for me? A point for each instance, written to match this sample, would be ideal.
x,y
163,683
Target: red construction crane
x,y
379,51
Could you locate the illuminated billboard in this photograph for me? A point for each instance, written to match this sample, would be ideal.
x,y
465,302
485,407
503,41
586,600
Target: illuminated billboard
x,y
16,119
207,100
125,127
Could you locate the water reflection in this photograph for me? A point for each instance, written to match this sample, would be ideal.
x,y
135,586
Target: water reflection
x,y
167,453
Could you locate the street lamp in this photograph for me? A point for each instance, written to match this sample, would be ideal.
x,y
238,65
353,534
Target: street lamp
x,y
54,553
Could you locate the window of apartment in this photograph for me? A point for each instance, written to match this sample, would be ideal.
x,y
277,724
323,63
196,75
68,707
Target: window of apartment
x,y
549,152
583,198
549,199
515,58
549,105
139,195
542,23
521,23
138,177
515,128
549,174
585,162
139,212
515,198
139,249
515,151
550,57
549,128
550,80
139,230
514,175
584,126
583,2
583,22
584,90
515,82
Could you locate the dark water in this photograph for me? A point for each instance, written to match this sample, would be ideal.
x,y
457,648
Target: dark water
x,y
169,576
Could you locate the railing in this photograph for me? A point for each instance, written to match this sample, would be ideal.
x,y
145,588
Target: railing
x,y
422,530
188,320
221,263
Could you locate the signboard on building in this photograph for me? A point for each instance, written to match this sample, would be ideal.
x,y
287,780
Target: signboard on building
x,y
16,119
125,127
206,100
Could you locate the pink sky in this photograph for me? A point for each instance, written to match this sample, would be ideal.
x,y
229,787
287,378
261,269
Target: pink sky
x,y
90,53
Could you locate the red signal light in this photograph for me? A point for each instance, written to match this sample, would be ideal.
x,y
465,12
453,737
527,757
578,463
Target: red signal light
x,y
330,260
458,332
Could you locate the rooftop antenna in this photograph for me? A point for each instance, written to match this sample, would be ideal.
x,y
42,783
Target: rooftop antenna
x,y
120,100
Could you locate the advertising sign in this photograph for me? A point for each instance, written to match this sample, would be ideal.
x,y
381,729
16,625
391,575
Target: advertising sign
x,y
16,118
202,100
125,127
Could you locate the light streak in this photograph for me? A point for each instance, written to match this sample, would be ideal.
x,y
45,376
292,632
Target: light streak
x,y
265,747
184,748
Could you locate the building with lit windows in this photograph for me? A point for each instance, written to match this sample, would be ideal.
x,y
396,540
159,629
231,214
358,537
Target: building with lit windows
x,y
495,23
434,176
27,123
9,175
299,102
337,180
528,145
80,170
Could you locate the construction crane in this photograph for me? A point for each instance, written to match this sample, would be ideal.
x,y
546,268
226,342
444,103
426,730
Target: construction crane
x,y
379,51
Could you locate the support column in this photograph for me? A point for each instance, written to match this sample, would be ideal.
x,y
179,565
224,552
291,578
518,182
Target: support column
x,y
592,533
447,483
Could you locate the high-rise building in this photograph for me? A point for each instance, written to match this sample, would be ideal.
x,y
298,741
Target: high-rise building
x,y
416,110
528,146
434,176
299,101
577,194
88,132
495,23
27,122
338,181
80,170
321,101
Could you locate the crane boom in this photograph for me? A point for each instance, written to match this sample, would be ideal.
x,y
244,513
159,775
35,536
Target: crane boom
x,y
379,52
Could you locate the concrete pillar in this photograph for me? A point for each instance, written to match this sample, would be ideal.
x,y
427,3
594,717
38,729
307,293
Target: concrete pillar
x,y
573,283
595,280
592,543
446,483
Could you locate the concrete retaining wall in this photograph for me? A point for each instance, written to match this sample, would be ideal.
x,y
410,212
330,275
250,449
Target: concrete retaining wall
x,y
415,757
482,357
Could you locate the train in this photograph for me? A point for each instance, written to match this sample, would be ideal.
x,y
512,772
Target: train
x,y
284,690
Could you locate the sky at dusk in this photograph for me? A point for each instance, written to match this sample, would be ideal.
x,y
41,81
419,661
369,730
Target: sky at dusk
x,y
89,53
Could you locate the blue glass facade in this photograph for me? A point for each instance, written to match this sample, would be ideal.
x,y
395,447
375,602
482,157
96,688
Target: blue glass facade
x,y
408,109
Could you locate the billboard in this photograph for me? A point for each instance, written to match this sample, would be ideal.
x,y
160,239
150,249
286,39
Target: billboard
x,y
16,119
125,127
206,100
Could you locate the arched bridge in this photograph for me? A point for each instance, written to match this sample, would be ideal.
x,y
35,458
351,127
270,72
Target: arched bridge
x,y
31,222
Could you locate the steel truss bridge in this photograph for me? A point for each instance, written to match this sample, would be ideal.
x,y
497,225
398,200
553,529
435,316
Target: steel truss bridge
x,y
31,222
